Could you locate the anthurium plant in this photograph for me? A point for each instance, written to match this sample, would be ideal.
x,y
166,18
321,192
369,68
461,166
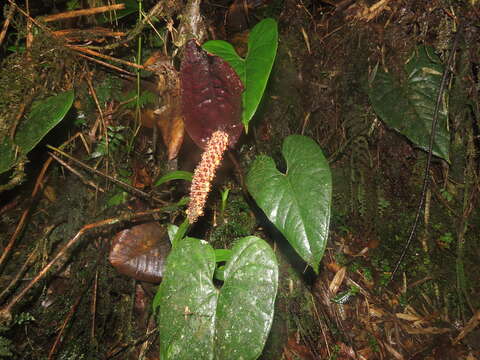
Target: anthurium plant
x,y
197,317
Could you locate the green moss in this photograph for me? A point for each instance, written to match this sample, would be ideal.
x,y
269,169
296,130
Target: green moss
x,y
49,69
237,222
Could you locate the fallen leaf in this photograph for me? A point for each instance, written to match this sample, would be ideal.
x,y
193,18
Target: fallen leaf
x,y
168,118
337,280
408,317
170,123
140,252
141,178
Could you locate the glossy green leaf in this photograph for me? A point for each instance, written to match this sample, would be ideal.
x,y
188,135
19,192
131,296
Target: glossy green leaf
x,y
43,117
222,255
246,301
218,275
197,321
227,52
187,300
297,202
172,230
181,231
255,69
7,154
408,108
174,175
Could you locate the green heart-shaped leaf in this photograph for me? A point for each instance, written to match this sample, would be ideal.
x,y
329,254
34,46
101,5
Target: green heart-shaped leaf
x,y
255,69
298,202
409,108
197,321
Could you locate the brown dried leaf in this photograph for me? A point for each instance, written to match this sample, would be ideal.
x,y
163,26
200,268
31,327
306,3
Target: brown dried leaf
x,y
337,280
408,317
393,352
140,252
295,350
427,330
375,312
141,178
333,266
49,193
170,123
361,11
168,118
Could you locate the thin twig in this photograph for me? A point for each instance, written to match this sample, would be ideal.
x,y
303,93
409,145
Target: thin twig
x,y
6,311
101,118
29,36
67,319
103,56
83,12
18,276
38,186
74,171
114,352
6,23
103,63
430,147
19,116
23,219
155,11
41,26
127,187
83,34
73,309
94,307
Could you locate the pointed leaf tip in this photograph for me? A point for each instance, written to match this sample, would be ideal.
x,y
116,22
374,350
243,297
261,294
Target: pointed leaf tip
x,y
298,202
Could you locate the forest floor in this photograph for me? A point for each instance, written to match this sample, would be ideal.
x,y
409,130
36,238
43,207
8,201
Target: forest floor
x,y
62,299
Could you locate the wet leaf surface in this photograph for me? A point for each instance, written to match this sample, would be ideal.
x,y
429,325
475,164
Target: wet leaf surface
x,y
140,252
197,321
297,202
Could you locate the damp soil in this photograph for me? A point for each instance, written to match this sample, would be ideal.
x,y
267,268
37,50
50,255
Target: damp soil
x,y
84,309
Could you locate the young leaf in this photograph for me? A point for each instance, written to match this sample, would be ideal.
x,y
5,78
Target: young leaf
x,y
196,321
255,69
180,232
298,202
409,108
174,175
